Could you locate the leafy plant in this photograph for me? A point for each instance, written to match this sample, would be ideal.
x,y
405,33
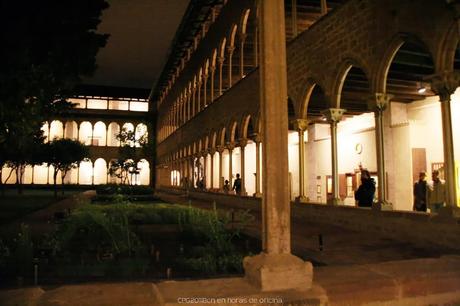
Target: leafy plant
x,y
92,229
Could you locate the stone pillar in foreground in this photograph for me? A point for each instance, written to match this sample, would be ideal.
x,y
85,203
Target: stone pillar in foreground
x,y
301,125
378,104
275,268
445,85
333,116
257,193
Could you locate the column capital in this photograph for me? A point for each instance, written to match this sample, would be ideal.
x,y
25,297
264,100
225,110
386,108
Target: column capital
x,y
379,101
243,37
221,60
243,142
230,49
212,151
444,84
256,137
300,124
220,149
334,114
231,145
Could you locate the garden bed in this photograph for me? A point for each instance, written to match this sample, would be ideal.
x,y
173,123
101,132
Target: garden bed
x,y
130,241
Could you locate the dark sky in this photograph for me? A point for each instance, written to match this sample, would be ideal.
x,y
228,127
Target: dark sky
x,y
141,32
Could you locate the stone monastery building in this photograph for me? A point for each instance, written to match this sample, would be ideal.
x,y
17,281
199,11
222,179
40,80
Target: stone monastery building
x,y
371,84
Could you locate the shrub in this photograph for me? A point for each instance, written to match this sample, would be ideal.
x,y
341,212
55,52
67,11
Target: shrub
x,y
91,230
124,189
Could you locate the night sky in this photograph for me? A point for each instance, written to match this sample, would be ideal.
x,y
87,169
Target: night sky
x,y
141,32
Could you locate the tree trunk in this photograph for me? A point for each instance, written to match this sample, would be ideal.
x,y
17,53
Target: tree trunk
x,y
22,169
55,182
18,179
63,174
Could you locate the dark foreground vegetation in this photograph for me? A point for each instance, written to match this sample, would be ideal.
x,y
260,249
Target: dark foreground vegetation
x,y
119,240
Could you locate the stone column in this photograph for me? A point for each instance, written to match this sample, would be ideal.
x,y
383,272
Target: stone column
x,y
378,104
107,135
193,172
230,68
203,175
323,7
189,101
193,102
334,115
242,41
275,268
230,148
243,143
445,85
92,133
212,152
221,179
256,43
213,72
205,87
294,17
186,169
92,174
257,141
301,126
180,110
199,96
221,67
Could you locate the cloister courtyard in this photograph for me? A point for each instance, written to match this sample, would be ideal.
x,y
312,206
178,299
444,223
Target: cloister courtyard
x,y
230,152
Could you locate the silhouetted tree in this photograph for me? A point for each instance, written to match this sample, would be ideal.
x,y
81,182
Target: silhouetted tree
x,y
133,148
64,155
46,47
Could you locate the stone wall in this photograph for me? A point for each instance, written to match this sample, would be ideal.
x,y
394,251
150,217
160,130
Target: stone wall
x,y
366,33
420,228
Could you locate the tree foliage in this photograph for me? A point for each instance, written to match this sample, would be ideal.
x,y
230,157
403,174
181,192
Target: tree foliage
x,y
47,46
64,155
133,148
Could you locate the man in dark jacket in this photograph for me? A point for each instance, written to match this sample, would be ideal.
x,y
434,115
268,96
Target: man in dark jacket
x,y
237,184
364,196
420,192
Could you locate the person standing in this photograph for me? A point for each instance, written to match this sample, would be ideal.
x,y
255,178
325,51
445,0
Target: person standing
x,y
420,192
364,196
437,193
226,187
237,184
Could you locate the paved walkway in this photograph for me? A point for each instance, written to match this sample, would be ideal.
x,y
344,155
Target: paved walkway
x,y
400,283
340,246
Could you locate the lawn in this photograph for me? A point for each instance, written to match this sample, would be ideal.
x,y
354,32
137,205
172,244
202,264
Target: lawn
x,y
14,206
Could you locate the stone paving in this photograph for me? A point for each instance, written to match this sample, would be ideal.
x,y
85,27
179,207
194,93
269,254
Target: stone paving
x,y
339,246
